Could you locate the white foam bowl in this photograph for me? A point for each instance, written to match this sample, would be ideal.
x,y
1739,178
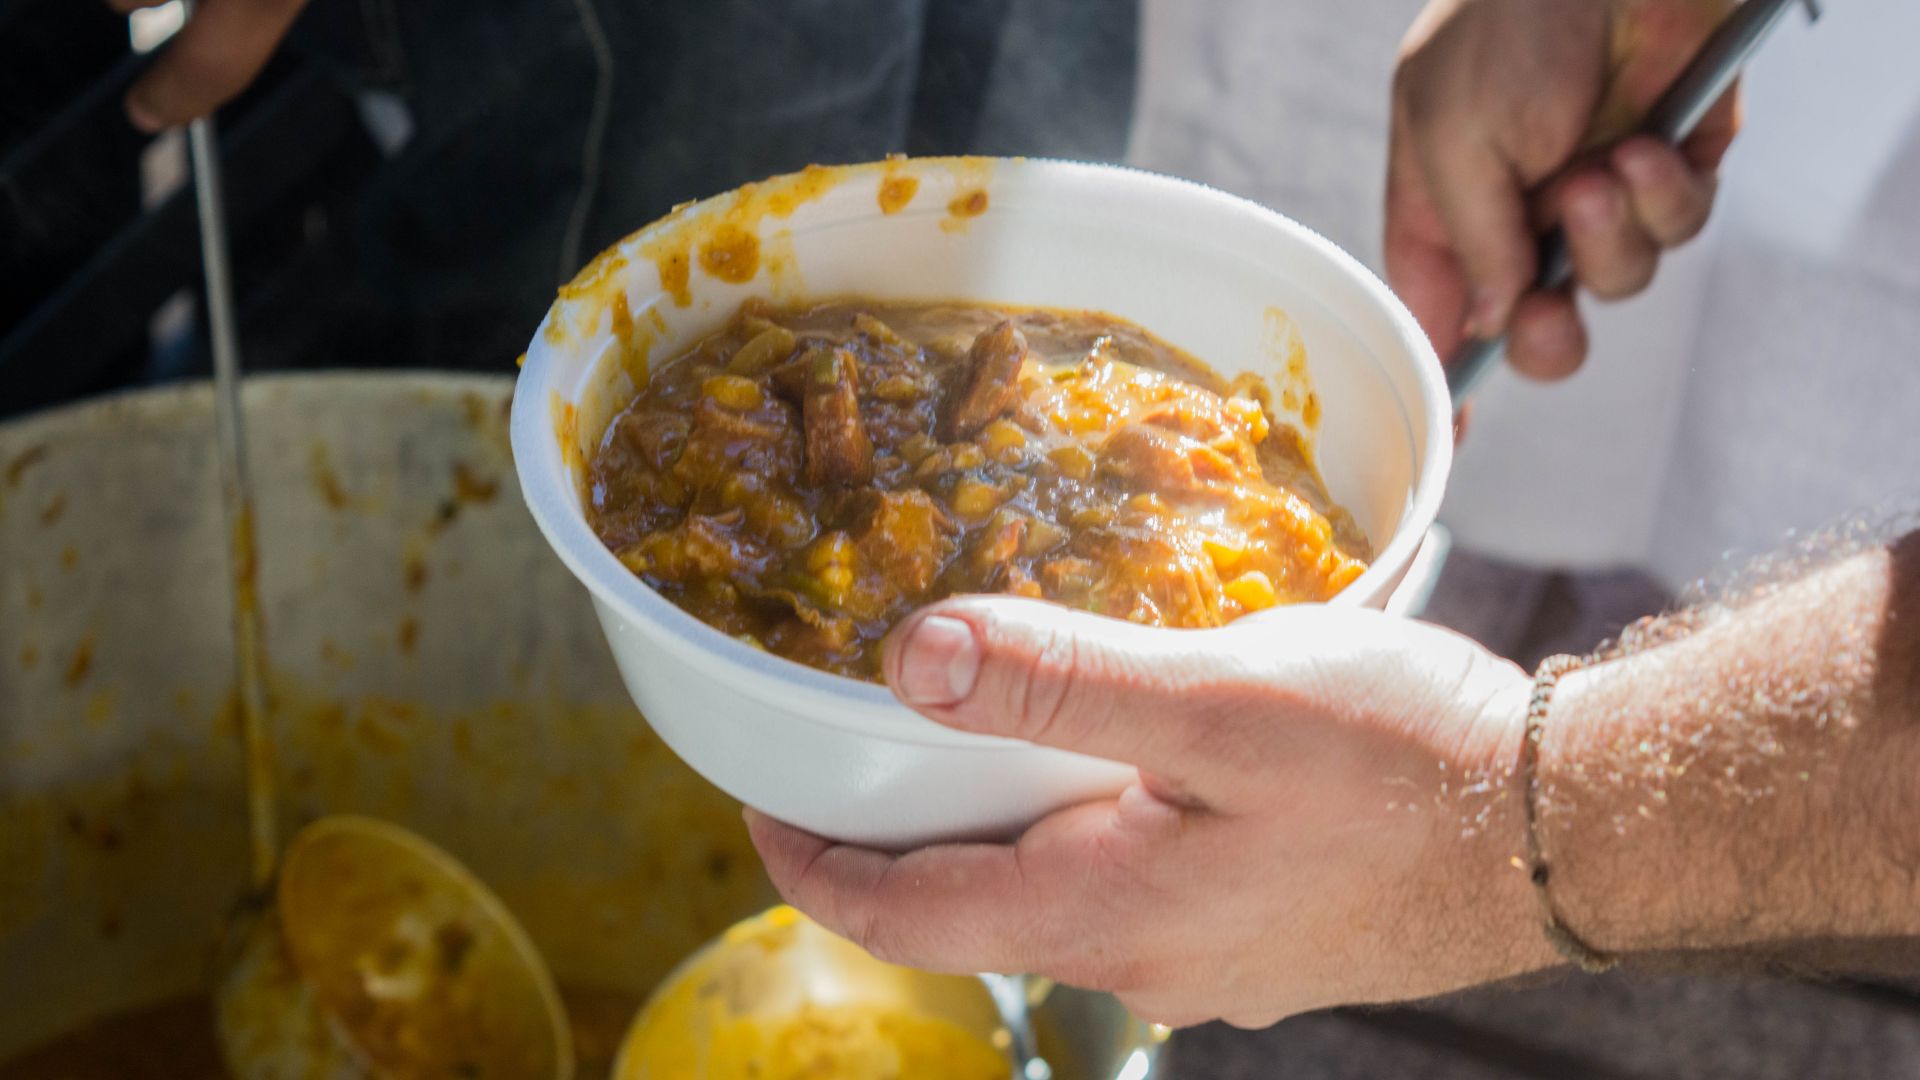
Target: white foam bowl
x,y
1223,278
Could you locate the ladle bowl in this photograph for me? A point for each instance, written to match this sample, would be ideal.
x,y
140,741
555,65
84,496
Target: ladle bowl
x,y
778,985
382,956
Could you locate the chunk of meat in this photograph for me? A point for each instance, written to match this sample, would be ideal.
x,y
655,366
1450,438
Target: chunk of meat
x,y
1143,576
996,545
1152,458
838,449
833,631
789,380
701,548
656,435
906,539
723,442
992,382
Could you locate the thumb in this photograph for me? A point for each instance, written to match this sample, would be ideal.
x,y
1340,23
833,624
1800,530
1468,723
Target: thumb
x,y
1045,674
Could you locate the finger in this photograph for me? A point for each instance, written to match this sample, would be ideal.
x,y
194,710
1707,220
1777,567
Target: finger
x,y
1714,136
1613,257
1481,202
1173,1008
1420,264
213,57
1039,672
957,908
1548,340
1667,196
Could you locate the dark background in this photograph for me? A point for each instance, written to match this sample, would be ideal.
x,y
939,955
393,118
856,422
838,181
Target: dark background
x,y
356,247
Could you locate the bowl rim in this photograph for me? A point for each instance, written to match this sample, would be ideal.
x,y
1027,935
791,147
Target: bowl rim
x,y
842,701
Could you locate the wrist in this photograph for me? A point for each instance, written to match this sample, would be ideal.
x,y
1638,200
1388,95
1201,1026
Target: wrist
x,y
1734,789
1506,933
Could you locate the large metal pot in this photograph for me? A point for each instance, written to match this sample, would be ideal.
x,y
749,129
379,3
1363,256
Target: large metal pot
x,y
433,664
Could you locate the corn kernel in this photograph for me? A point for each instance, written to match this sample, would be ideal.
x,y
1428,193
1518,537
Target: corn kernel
x,y
1252,591
733,392
635,559
1250,413
968,456
951,346
837,578
736,489
1147,503
916,448
767,349
1073,461
934,464
1003,437
1041,537
896,388
834,549
783,521
1091,517
880,332
1318,531
1345,575
1226,553
973,500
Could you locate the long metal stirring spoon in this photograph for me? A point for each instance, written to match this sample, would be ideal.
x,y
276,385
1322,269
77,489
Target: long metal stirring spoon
x,y
236,496
1673,117
362,902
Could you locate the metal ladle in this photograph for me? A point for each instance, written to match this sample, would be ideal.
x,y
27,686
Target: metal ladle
x,y
770,967
371,952
381,956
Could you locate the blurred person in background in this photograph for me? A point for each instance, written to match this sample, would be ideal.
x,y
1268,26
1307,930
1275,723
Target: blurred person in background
x,y
521,138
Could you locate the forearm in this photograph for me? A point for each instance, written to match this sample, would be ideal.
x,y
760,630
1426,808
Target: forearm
x,y
1753,785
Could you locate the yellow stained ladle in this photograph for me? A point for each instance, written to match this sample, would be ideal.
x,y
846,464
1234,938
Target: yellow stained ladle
x,y
381,956
778,998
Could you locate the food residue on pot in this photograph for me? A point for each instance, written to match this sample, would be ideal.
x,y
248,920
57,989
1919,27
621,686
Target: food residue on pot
x,y
24,460
81,662
325,480
469,486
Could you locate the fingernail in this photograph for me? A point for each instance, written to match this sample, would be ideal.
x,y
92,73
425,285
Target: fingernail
x,y
939,661
1488,315
144,118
